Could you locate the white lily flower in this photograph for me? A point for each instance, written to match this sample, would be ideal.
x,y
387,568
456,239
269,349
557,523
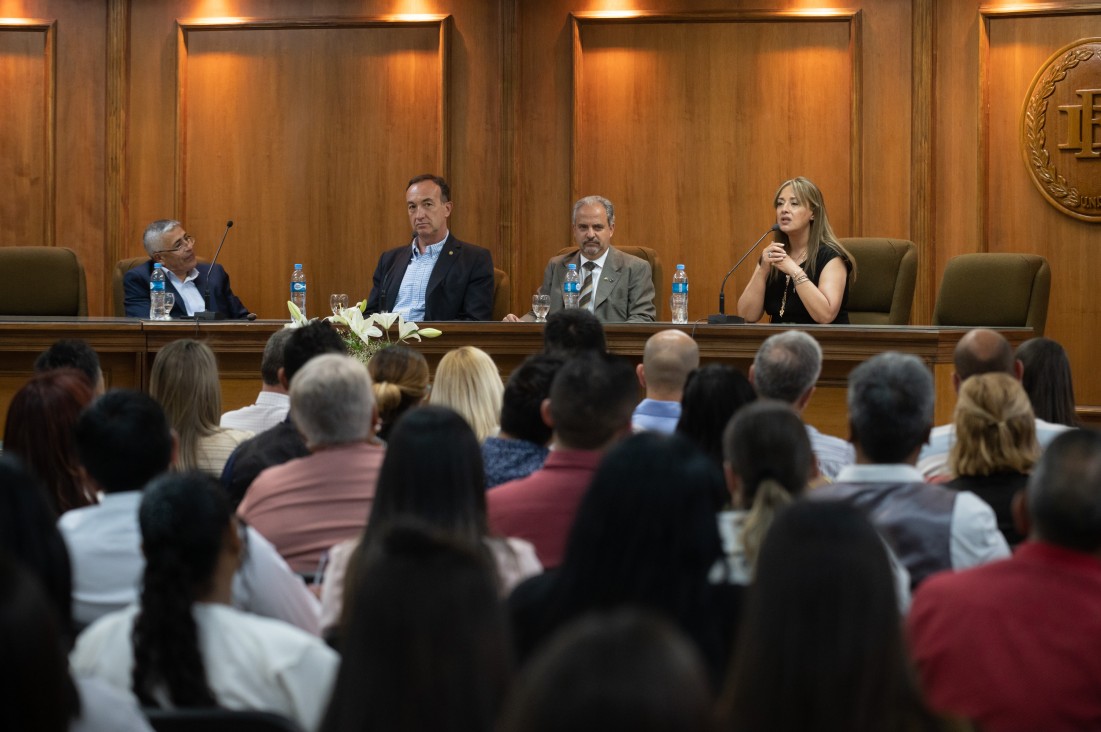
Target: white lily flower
x,y
384,320
365,329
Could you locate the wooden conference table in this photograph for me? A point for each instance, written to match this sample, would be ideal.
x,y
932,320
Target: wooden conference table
x,y
127,347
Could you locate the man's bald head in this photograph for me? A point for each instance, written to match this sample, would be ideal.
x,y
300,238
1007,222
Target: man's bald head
x,y
984,351
669,356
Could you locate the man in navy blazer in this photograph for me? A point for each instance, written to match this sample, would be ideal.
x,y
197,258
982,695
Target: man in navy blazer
x,y
436,276
198,287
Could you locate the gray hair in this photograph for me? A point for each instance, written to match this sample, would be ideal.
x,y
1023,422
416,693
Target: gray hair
x,y
609,209
272,359
890,406
332,402
151,239
786,366
1064,491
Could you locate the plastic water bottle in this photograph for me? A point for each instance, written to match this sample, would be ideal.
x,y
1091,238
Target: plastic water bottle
x,y
298,288
679,302
571,287
156,293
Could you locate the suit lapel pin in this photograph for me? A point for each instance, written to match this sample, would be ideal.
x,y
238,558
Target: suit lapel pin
x,y
450,252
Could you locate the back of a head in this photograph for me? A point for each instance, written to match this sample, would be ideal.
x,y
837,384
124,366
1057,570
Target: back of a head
x,y
890,403
995,427
468,381
1047,379
332,402
573,331
123,440
272,360
73,353
821,644
1064,492
527,387
310,340
668,357
764,441
625,670
399,377
712,395
591,400
982,351
184,379
786,366
427,647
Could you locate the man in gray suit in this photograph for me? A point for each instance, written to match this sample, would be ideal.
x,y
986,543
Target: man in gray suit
x,y
616,287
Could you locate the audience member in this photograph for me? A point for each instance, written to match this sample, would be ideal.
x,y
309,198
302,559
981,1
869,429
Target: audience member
x,y
427,646
39,428
399,377
645,535
1012,645
623,670
446,493
929,527
667,359
184,379
311,503
520,448
713,394
272,403
980,351
183,645
468,381
589,410
124,441
1047,380
283,441
820,645
995,445
786,368
572,332
73,353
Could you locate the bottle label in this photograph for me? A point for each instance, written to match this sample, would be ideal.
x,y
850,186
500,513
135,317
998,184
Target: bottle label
x,y
571,287
680,288
155,286
298,287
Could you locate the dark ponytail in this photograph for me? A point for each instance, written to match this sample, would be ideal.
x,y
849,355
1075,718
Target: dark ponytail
x,y
183,518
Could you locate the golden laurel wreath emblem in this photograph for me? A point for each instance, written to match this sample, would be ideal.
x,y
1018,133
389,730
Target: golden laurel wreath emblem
x,y
1044,173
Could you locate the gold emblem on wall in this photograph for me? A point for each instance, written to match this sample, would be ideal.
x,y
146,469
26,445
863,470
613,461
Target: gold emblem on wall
x,y
1061,129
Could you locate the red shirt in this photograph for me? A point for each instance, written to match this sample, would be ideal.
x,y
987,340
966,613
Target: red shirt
x,y
1014,645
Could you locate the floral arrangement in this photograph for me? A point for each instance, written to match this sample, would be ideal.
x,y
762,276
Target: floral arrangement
x,y
364,337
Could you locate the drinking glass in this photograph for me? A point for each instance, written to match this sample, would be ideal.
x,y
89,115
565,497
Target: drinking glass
x,y
540,305
169,303
338,302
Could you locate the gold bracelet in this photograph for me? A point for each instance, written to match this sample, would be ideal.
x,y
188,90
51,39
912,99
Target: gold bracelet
x,y
801,279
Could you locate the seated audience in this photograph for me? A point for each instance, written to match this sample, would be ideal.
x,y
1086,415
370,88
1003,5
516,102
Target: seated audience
x,y
929,527
184,379
571,332
446,494
667,359
995,445
820,645
183,645
589,410
1047,380
399,376
283,441
73,353
427,646
468,381
124,441
623,670
646,536
311,503
713,394
272,403
980,351
39,429
1013,645
520,448
786,368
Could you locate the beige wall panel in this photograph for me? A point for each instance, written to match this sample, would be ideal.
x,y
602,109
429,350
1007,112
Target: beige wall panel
x,y
24,161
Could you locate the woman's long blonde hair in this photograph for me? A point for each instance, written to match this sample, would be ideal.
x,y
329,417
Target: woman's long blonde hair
x,y
995,427
821,233
185,382
468,381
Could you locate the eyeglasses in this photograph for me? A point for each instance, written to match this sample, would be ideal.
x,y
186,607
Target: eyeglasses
x,y
185,240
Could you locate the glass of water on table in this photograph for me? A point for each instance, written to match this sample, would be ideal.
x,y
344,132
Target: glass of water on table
x,y
540,305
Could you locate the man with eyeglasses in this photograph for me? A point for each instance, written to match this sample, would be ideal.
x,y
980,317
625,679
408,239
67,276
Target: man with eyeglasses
x,y
198,287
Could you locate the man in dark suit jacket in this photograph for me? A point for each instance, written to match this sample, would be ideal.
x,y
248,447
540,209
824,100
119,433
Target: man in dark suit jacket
x,y
436,277
165,241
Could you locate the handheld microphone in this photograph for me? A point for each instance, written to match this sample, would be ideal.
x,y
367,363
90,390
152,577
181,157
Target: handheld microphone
x,y
722,318
210,314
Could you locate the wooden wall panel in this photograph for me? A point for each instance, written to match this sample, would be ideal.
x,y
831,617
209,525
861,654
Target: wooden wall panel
x,y
304,138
